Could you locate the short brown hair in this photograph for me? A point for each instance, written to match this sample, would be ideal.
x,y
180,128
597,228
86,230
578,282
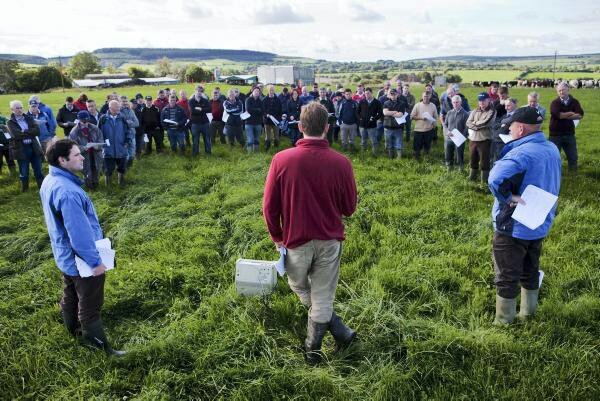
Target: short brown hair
x,y
58,148
503,90
313,119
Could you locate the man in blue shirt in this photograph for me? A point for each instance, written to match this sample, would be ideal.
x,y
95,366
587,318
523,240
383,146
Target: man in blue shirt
x,y
528,159
73,228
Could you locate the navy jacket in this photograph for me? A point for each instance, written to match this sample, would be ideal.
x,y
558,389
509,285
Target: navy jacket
x,y
256,109
349,112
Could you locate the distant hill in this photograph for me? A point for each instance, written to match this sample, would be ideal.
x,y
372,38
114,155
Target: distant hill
x,y
593,58
24,58
117,56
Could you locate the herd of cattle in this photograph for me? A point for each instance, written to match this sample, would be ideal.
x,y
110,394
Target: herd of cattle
x,y
543,83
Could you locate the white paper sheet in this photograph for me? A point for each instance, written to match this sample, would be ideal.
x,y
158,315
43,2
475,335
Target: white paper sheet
x,y
210,117
457,137
7,135
538,204
428,117
225,116
95,145
280,266
505,138
245,115
146,139
576,122
107,142
274,120
541,278
166,120
106,254
401,120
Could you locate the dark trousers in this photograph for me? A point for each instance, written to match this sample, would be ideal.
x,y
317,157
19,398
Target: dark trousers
x,y
515,260
422,141
294,134
234,133
110,164
158,136
83,297
450,150
407,128
139,142
495,150
569,145
480,150
36,164
216,130
336,133
5,154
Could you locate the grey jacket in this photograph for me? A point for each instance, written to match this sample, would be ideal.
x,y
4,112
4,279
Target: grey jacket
x,y
457,119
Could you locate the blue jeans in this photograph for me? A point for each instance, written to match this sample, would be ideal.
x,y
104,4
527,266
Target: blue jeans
x,y
176,139
393,139
253,136
370,134
131,148
34,160
198,129
569,145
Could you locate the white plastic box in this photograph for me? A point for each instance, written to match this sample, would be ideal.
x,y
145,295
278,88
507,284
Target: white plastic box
x,y
255,277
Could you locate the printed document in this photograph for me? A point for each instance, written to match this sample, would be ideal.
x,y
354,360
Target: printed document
x,y
538,204
106,254
457,137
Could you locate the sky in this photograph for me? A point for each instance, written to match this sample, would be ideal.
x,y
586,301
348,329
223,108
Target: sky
x,y
337,30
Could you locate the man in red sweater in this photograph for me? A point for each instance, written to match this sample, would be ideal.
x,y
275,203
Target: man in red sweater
x,y
308,190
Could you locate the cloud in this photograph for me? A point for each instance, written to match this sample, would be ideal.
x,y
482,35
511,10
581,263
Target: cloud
x,y
196,9
281,13
592,16
359,12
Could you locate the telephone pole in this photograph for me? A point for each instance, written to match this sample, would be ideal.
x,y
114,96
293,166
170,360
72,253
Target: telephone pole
x,y
554,69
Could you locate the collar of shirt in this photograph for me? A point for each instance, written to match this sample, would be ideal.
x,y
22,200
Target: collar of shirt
x,y
59,171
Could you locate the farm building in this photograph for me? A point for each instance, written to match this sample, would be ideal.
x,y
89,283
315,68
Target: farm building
x,y
123,81
239,79
285,74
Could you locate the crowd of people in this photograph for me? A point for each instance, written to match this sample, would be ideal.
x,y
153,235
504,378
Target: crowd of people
x,y
123,129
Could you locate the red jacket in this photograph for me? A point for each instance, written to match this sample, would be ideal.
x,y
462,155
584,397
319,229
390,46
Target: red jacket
x,y
185,106
308,190
216,107
80,105
161,103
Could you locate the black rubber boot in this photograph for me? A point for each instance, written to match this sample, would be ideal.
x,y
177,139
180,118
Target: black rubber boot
x,y
473,174
24,186
121,179
39,181
314,338
391,153
276,142
485,174
267,145
93,335
70,321
342,334
108,180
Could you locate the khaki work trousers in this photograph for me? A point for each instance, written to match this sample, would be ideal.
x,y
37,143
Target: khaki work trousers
x,y
313,270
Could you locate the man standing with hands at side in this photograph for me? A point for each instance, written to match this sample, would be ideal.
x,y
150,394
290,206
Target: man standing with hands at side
x,y
73,228
528,159
308,190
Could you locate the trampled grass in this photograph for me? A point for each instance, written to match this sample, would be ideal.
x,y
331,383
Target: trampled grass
x,y
416,282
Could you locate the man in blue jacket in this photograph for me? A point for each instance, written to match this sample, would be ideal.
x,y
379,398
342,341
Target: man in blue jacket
x,y
117,137
528,159
73,228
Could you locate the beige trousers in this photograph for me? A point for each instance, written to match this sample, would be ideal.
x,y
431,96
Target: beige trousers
x,y
313,270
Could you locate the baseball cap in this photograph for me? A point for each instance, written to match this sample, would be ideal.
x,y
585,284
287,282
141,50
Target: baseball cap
x,y
525,115
483,96
83,115
138,96
393,91
33,102
148,97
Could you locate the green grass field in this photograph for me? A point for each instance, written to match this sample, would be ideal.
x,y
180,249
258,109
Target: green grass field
x,y
468,76
416,282
564,75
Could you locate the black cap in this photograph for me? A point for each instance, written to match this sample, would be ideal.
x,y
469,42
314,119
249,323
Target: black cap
x,y
138,96
393,91
525,115
148,97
